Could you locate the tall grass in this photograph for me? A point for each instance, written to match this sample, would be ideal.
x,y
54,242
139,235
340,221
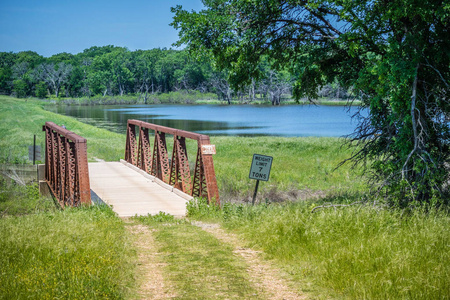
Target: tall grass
x,y
18,200
305,165
75,254
353,252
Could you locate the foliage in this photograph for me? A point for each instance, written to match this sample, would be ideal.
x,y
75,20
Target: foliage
x,y
41,90
357,252
20,88
160,217
393,55
201,210
53,75
147,75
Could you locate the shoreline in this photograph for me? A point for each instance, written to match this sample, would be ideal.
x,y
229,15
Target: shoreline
x,y
128,100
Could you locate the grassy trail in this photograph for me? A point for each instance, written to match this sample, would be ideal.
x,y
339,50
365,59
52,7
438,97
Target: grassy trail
x,y
201,261
149,270
268,278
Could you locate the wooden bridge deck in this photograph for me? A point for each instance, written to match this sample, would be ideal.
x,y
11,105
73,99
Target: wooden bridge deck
x,y
131,191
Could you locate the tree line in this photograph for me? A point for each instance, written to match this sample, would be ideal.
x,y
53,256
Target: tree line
x,y
116,71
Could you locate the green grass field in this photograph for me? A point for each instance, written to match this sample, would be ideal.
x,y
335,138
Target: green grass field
x,y
357,252
301,168
46,253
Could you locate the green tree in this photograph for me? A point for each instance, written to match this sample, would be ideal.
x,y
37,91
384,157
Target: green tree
x,y
145,71
7,61
41,90
20,88
5,80
120,64
395,55
55,75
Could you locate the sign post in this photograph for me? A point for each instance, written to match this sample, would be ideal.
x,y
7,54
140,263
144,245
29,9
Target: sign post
x,y
260,170
34,152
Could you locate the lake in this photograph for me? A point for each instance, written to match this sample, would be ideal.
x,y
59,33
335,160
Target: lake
x,y
234,120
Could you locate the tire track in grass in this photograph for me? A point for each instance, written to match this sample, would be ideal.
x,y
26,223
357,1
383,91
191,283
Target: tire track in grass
x,y
265,277
152,284
199,265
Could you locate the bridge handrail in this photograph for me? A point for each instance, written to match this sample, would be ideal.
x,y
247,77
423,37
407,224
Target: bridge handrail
x,y
176,172
66,165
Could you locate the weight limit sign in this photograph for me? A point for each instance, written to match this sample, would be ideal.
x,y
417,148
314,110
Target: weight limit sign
x,y
260,170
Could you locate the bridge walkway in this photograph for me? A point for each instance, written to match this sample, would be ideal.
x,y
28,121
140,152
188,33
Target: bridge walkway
x,y
130,191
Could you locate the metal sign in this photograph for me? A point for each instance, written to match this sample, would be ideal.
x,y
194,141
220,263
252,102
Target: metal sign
x,y
260,169
208,149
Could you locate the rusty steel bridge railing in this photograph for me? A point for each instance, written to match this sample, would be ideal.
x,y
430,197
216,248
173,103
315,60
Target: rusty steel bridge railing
x,y
174,172
66,166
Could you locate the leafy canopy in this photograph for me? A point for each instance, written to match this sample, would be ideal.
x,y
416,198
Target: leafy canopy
x,y
393,55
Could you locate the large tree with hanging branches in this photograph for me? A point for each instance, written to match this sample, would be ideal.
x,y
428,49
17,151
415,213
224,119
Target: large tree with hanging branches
x,y
393,55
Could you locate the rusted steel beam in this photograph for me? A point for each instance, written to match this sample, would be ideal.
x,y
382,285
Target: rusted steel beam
x,y
167,130
180,175
66,166
161,163
208,169
144,156
130,146
176,172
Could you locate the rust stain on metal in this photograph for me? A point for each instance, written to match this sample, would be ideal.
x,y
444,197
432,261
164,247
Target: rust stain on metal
x,y
66,166
175,172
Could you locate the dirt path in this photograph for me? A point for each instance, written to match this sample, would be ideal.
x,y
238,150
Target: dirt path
x,y
266,278
149,276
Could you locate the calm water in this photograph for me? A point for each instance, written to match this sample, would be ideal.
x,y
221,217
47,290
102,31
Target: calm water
x,y
239,120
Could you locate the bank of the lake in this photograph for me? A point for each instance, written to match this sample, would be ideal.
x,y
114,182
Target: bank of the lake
x,y
192,97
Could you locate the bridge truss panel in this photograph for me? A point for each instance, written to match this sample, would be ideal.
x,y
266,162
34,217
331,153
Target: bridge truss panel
x,y
174,172
66,166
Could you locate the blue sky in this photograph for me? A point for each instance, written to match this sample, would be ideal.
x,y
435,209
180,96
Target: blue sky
x,y
50,27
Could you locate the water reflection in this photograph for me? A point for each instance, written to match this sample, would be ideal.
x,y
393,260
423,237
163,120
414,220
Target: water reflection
x,y
242,120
